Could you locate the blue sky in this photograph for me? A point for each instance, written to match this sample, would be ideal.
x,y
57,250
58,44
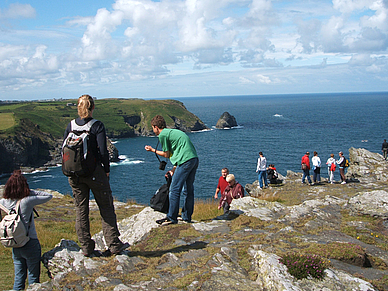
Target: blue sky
x,y
174,48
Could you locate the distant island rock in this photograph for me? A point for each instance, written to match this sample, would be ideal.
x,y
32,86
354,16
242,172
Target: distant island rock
x,y
226,121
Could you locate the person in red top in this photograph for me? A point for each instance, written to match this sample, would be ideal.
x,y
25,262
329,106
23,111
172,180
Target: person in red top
x,y
234,190
306,168
222,183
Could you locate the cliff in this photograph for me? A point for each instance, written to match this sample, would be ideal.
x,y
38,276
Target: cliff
x,y
345,225
34,137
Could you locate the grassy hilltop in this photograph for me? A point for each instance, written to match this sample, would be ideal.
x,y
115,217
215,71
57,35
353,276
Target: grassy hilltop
x,y
122,117
31,132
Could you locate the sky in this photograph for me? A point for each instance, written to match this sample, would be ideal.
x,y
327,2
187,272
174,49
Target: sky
x,y
190,48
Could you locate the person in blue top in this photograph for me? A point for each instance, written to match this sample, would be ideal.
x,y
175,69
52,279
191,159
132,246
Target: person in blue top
x,y
26,259
178,147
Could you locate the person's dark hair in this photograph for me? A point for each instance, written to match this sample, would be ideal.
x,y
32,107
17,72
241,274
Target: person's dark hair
x,y
315,153
16,186
158,121
260,153
225,169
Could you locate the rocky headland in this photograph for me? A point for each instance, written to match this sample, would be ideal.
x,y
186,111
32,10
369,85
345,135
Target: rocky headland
x,y
346,225
35,139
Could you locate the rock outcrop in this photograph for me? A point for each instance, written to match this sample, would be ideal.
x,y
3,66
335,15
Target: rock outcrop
x,y
226,121
241,250
366,166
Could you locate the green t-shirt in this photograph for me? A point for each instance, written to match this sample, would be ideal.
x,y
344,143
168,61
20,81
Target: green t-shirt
x,y
178,144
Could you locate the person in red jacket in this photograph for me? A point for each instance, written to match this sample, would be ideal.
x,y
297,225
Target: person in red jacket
x,y
306,168
222,184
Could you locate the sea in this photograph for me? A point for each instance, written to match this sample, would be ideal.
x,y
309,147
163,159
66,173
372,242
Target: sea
x,y
283,127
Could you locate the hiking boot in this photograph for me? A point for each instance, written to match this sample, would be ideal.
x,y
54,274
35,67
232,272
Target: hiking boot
x,y
93,254
109,253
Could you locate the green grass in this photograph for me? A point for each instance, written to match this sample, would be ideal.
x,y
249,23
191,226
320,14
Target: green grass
x,y
7,120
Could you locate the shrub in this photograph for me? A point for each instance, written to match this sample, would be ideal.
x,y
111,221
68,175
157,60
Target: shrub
x,y
304,266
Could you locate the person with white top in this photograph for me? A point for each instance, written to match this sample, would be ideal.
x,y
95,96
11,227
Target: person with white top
x,y
316,167
262,170
330,168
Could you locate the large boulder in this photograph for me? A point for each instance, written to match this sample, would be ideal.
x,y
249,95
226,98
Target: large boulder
x,y
226,121
366,166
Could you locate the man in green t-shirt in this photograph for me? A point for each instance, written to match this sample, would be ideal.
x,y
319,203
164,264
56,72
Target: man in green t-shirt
x,y
178,147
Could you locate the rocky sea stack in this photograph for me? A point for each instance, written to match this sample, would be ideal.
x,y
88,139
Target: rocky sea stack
x,y
344,225
226,121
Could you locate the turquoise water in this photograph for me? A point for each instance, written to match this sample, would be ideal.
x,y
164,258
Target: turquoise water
x,y
283,127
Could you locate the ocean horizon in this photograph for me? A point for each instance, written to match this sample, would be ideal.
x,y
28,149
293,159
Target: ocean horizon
x,y
282,126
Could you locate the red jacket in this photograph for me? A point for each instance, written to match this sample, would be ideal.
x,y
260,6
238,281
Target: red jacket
x,y
306,160
232,193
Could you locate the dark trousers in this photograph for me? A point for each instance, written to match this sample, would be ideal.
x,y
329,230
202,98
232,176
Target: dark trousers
x,y
342,173
99,184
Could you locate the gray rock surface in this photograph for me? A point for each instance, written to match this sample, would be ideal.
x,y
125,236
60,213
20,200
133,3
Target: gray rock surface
x,y
366,166
226,121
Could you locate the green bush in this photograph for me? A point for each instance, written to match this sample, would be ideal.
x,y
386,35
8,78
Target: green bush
x,y
304,266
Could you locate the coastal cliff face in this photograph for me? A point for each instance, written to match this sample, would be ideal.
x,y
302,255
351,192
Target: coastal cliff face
x,y
28,147
346,225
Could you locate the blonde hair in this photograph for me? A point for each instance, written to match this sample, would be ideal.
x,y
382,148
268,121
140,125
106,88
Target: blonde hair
x,y
230,178
85,106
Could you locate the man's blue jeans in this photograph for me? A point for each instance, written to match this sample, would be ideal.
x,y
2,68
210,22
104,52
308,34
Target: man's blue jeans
x,y
263,175
183,178
306,173
27,258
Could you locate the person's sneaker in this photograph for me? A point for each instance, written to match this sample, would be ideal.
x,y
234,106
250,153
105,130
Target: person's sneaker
x,y
168,222
331,182
311,184
343,182
160,221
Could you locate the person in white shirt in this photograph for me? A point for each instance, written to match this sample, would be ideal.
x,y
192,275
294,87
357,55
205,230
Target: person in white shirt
x,y
316,167
262,170
330,169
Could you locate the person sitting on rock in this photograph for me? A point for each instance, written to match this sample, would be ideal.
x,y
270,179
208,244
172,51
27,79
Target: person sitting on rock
x,y
234,190
272,174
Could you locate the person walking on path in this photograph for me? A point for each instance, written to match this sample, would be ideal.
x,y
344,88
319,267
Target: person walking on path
x,y
98,182
306,168
384,149
178,147
316,168
262,170
331,168
222,184
341,162
26,259
234,190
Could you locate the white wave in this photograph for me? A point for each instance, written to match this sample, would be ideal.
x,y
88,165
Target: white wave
x,y
278,115
228,128
46,176
124,160
36,171
203,130
114,141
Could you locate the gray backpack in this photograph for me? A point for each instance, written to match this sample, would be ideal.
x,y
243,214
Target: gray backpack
x,y
13,233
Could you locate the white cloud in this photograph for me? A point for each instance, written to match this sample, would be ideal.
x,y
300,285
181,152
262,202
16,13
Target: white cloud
x,y
259,42
17,10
